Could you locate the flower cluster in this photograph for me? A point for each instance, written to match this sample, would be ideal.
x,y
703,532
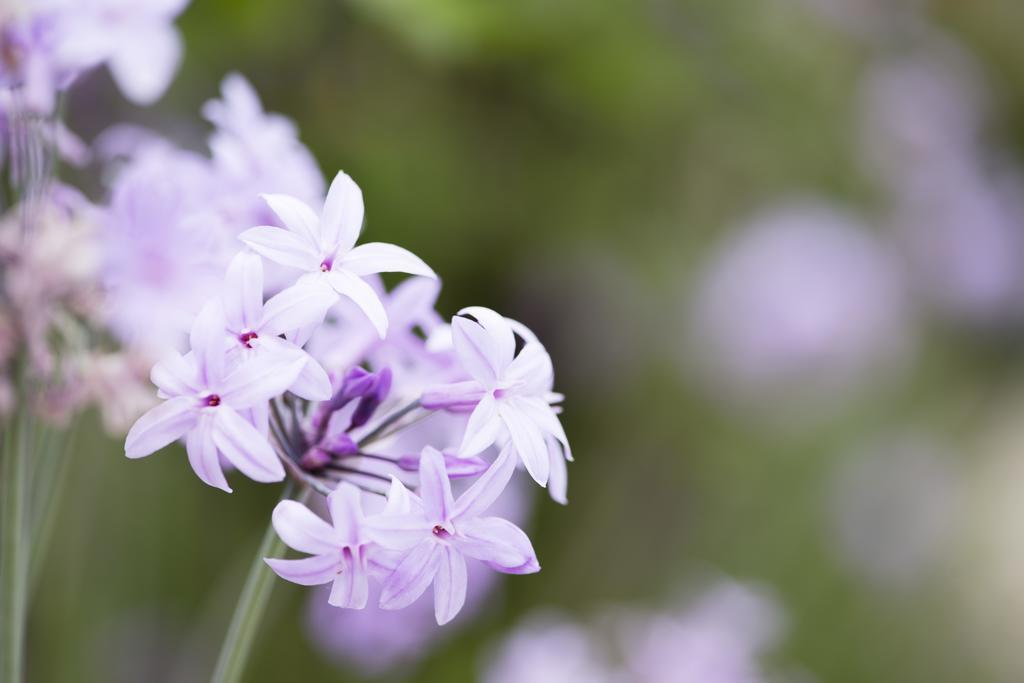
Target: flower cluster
x,y
46,44
260,388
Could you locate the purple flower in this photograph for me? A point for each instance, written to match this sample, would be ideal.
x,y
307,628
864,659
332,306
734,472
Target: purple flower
x,y
339,551
204,401
801,301
256,152
324,248
509,394
438,533
254,326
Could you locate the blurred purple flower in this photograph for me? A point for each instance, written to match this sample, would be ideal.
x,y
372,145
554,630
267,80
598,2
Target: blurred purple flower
x,y
801,300
548,648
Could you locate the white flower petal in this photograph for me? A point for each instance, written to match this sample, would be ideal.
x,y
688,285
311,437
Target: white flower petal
x,y
363,296
380,257
202,455
342,217
296,216
281,246
245,447
483,427
160,426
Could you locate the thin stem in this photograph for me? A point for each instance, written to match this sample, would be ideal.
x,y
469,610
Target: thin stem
x,y
252,603
387,422
351,470
48,490
13,546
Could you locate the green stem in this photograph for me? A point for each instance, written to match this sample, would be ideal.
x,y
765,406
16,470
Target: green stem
x,y
251,604
387,422
13,547
48,485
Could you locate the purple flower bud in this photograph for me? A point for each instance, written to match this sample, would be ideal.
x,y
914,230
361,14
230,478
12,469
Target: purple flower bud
x,y
314,459
372,399
340,444
456,467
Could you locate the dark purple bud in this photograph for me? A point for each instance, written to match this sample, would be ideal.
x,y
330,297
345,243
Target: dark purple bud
x,y
339,444
372,399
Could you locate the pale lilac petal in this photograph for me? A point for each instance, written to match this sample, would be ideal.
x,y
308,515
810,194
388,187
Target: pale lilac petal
x,y
449,585
351,587
496,541
399,531
475,350
435,489
296,216
457,467
160,426
304,303
342,216
144,61
202,455
458,396
485,490
243,292
380,257
544,416
412,302
309,571
209,343
532,367
483,427
244,447
313,382
346,513
281,246
363,295
261,378
528,441
500,332
400,501
302,530
175,375
411,577
558,477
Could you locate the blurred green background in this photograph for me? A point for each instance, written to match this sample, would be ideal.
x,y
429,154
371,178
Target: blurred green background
x,y
576,164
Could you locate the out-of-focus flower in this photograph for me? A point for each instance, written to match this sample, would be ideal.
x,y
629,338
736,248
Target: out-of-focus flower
x,y
163,250
339,551
256,152
438,533
893,508
801,302
203,402
509,393
323,247
961,224
720,638
46,44
548,648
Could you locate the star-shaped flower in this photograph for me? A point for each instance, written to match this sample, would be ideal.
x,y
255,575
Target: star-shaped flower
x,y
204,404
324,247
509,393
438,533
339,551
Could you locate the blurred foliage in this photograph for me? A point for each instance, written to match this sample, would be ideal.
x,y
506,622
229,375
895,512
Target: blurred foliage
x,y
569,163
